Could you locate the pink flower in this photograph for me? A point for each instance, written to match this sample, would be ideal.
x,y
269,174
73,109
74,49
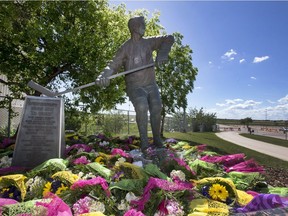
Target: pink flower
x,y
56,206
181,162
133,212
81,206
92,182
81,160
118,151
162,184
201,147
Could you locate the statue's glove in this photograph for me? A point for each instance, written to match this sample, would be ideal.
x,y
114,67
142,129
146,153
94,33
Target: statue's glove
x,y
162,54
161,61
103,80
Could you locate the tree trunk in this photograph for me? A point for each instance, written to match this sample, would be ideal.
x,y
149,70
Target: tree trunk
x,y
162,125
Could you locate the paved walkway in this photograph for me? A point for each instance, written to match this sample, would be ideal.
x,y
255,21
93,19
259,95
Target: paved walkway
x,y
262,147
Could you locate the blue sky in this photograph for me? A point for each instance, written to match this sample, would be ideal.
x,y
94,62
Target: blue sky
x,y
241,52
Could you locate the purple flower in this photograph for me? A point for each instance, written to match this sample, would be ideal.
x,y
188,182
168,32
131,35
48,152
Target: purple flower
x,y
85,147
82,160
171,140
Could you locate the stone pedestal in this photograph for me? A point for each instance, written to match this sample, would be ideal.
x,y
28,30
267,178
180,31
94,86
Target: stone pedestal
x,y
41,134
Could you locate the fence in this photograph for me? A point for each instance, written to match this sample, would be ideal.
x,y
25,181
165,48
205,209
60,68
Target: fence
x,y
113,121
10,118
117,122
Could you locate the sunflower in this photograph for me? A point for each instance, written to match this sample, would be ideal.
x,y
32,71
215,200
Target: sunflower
x,y
47,188
218,192
61,189
54,186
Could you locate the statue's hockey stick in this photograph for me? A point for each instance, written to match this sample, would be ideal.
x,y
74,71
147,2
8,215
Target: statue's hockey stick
x,y
50,93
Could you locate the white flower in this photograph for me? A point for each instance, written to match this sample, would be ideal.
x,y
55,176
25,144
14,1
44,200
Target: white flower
x,y
130,196
80,174
80,150
122,160
119,161
97,206
178,173
104,143
138,163
123,206
5,162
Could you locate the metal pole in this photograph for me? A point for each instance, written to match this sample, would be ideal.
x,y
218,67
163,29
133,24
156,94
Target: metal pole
x,y
9,119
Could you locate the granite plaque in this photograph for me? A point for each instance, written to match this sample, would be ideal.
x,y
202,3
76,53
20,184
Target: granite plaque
x,y
41,132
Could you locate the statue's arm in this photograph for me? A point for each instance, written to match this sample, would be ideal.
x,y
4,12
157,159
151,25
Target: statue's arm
x,y
163,46
117,62
113,67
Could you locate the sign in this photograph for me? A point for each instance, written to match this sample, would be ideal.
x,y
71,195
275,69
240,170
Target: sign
x,y
41,132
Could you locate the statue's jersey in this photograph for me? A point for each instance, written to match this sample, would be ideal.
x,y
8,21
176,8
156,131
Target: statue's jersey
x,y
133,54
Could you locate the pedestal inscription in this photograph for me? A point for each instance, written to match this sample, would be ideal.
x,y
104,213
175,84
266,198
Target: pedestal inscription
x,y
41,132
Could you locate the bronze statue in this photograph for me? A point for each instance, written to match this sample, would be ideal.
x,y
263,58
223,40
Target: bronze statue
x,y
141,86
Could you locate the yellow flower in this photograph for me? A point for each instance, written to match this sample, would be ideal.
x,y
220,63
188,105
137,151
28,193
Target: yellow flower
x,y
186,147
218,192
61,189
47,189
17,180
99,160
67,176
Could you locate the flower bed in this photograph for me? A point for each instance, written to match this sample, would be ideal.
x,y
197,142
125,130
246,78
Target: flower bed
x,y
110,176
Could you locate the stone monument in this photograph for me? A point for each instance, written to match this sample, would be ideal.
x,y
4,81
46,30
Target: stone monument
x,y
41,132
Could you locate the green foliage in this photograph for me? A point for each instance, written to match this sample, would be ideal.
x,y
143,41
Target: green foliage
x,y
176,78
65,43
200,120
113,123
247,121
61,42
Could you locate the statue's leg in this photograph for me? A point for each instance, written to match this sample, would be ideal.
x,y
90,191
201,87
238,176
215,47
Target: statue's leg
x,y
139,100
155,107
141,108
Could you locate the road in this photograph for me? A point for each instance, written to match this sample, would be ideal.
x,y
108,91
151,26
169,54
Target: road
x,y
262,147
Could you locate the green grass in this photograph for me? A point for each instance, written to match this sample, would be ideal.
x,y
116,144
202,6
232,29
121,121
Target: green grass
x,y
272,140
223,147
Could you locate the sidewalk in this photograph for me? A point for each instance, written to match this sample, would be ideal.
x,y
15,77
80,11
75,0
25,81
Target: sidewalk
x,y
262,147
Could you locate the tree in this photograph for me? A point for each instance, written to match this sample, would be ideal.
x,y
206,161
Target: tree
x,y
64,43
201,121
69,43
176,78
61,42
246,121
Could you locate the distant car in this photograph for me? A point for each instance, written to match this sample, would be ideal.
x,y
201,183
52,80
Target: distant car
x,y
283,129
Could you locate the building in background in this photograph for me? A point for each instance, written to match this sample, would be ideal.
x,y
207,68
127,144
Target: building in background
x,y
9,122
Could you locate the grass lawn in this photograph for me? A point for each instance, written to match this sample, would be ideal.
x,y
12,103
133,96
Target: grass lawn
x,y
223,147
272,140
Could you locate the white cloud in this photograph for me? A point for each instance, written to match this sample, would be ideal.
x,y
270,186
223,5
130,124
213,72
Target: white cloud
x,y
254,78
210,62
198,88
260,59
272,102
241,61
221,104
239,108
248,104
229,55
283,100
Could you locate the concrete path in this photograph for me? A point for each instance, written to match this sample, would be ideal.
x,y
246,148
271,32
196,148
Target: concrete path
x,y
262,147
